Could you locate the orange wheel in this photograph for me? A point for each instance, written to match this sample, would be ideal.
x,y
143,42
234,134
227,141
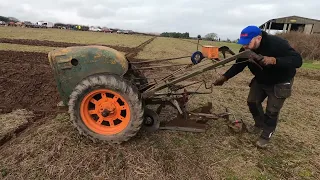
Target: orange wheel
x,y
107,108
105,112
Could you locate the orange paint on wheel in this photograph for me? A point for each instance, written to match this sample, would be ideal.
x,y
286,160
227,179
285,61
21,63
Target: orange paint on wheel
x,y
105,112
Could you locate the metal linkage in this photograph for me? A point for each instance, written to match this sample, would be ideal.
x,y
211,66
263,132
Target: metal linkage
x,y
198,69
158,60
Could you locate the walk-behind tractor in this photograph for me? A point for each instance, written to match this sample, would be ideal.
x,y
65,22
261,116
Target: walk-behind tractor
x,y
108,96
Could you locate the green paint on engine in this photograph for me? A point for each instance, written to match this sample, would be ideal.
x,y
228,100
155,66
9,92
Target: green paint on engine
x,y
73,64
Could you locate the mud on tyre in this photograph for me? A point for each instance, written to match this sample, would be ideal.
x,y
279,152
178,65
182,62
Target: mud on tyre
x,y
136,77
107,108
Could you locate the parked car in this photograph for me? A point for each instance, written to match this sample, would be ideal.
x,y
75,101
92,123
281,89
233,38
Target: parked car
x,y
27,24
120,31
125,32
106,30
95,29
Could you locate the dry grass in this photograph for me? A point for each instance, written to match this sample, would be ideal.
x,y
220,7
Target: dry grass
x,y
307,45
27,48
9,122
162,48
54,150
83,37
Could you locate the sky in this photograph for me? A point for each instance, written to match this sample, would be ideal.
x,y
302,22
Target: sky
x,y
198,17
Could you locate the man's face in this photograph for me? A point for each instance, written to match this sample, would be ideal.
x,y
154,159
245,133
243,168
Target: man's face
x,y
254,43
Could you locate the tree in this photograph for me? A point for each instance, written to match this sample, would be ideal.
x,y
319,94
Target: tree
x,y
211,36
175,35
5,19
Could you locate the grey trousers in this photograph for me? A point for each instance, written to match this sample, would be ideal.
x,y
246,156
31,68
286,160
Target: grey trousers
x,y
276,95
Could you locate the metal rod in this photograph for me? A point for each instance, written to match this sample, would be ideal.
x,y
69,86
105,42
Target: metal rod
x,y
214,116
158,60
181,87
188,93
168,76
150,77
198,45
197,70
163,66
175,72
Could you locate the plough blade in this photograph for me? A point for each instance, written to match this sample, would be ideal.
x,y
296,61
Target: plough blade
x,y
194,122
181,124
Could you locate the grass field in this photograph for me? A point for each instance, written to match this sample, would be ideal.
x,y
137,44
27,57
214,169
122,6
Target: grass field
x,y
82,37
51,148
26,48
311,65
163,47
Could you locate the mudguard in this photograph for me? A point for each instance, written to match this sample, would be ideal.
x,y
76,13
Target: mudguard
x,y
72,64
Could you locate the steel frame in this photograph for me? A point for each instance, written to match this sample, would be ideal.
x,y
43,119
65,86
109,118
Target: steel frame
x,y
152,96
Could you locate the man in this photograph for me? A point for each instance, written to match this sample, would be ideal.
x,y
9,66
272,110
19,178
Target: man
x,y
274,81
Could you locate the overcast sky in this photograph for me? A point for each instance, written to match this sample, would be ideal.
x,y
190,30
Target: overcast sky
x,y
226,18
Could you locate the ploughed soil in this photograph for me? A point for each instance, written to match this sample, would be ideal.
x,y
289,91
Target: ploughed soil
x,y
32,42
26,81
26,78
139,48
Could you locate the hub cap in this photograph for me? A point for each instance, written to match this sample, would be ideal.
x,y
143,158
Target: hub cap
x,y
105,112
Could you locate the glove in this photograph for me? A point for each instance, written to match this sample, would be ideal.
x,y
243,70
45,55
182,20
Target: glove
x,y
269,61
220,81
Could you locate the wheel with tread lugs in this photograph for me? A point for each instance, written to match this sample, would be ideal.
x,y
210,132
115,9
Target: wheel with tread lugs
x,y
136,77
106,107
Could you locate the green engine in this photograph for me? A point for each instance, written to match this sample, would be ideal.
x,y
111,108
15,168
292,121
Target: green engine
x,y
72,64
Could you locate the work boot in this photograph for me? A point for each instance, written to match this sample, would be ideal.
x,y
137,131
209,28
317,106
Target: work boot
x,y
262,143
265,137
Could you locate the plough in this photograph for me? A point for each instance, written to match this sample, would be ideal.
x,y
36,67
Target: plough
x,y
108,96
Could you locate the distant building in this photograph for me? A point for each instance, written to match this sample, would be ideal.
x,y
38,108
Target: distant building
x,y
293,23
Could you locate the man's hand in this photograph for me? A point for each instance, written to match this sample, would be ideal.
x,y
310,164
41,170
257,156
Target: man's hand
x,y
220,81
269,61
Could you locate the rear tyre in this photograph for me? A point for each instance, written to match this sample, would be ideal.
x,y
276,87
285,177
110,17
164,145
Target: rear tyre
x,y
136,77
106,108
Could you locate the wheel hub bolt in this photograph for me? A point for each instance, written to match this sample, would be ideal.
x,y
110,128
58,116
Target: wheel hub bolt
x,y
105,113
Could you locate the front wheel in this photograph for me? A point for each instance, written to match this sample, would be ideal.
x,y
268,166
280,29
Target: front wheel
x,y
107,108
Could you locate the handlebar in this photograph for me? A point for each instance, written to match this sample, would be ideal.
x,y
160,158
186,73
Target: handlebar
x,y
256,60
